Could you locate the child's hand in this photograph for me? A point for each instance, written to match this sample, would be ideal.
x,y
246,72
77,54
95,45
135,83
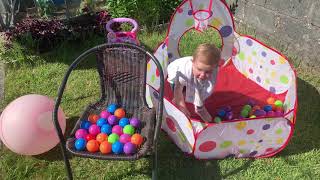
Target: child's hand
x,y
203,113
182,106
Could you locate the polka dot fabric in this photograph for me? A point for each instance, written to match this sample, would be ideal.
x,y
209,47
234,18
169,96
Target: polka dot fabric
x,y
263,66
242,139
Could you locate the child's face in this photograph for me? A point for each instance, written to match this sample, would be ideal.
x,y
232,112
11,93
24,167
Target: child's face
x,y
201,70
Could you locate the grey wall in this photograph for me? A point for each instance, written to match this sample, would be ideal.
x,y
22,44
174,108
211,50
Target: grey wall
x,y
292,26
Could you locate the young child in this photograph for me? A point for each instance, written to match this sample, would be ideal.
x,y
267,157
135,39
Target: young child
x,y
197,74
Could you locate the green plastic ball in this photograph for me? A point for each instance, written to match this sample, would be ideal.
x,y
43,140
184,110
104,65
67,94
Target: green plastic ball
x,y
217,119
128,129
278,103
244,113
247,107
112,138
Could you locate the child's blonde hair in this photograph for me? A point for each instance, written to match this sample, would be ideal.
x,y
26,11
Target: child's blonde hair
x,y
211,53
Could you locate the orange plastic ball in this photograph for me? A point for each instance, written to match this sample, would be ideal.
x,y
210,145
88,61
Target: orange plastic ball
x,y
92,145
93,118
101,137
271,100
136,139
120,113
105,147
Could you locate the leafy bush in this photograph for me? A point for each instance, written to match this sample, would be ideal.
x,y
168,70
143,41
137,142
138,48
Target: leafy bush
x,y
147,12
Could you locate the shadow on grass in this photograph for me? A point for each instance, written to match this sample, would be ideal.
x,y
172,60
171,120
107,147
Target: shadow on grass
x,y
306,134
55,153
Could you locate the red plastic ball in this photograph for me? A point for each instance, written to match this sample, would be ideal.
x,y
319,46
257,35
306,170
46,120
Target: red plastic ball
x,y
90,137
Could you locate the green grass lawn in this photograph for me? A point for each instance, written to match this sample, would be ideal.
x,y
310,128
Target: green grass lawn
x,y
299,160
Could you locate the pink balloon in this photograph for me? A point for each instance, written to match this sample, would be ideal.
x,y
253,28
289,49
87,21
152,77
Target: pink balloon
x,y
26,125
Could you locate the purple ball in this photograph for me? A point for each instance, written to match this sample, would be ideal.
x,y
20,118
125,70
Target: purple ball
x,y
251,103
259,113
81,133
117,130
112,120
278,113
105,114
124,138
135,122
94,129
270,113
227,108
229,115
129,148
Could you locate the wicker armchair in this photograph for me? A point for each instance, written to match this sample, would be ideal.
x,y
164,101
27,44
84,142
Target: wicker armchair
x,y
122,70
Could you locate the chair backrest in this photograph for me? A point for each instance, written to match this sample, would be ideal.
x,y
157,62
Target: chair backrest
x,y
122,71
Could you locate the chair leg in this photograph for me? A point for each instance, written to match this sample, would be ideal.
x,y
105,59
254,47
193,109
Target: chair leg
x,y
66,161
155,163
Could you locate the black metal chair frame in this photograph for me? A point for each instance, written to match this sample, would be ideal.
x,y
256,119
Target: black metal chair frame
x,y
151,147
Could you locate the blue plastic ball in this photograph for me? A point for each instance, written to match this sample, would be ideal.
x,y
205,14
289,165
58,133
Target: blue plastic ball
x,y
123,122
267,108
80,144
106,128
221,113
112,108
85,124
101,122
117,147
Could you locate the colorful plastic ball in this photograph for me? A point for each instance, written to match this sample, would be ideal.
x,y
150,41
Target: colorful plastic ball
x,y
221,113
123,122
112,138
270,100
278,103
120,113
80,144
106,128
278,113
244,113
26,125
112,120
104,114
229,115
94,129
90,137
117,130
267,108
124,138
101,137
112,108
227,109
217,119
92,146
256,107
128,129
253,116
129,148
101,122
117,147
85,125
136,139
251,103
81,133
270,113
247,107
105,147
135,122
93,118
259,113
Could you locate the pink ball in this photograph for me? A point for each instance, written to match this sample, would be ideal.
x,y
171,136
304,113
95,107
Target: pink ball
x,y
105,114
81,133
124,138
94,129
26,125
117,130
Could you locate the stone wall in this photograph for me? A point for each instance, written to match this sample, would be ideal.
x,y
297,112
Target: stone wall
x,y
292,26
